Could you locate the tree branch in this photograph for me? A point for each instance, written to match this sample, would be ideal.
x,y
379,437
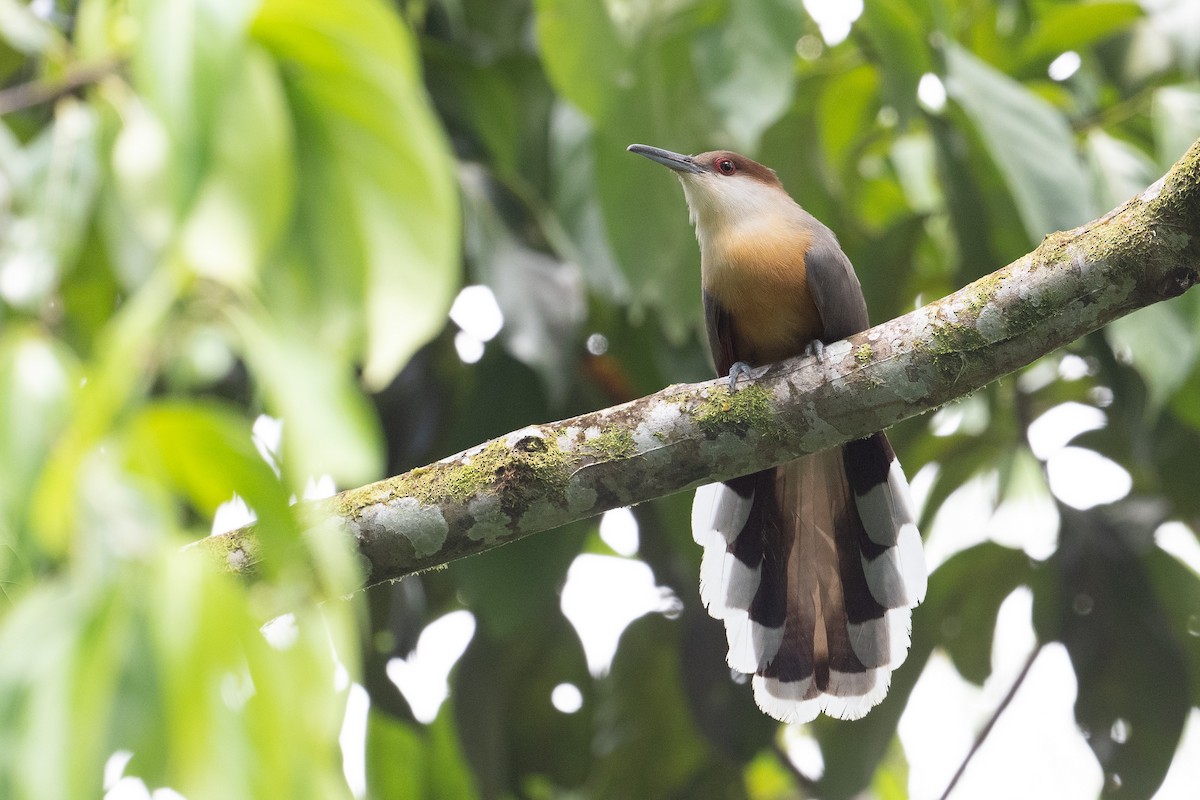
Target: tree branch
x,y
991,723
34,93
547,475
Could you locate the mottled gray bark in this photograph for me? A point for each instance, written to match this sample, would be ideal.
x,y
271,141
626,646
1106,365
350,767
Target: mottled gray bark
x,y
547,475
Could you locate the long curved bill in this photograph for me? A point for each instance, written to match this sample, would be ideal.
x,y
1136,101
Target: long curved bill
x,y
676,161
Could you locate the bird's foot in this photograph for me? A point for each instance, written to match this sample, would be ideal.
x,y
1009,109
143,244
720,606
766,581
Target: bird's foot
x,y
739,369
816,349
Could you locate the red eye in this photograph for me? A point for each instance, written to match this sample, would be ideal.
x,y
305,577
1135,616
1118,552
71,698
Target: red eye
x,y
726,166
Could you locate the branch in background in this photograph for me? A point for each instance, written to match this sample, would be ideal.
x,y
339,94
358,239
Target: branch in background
x,y
992,720
35,93
547,475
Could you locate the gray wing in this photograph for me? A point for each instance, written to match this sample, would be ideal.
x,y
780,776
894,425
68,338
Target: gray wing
x,y
835,288
720,334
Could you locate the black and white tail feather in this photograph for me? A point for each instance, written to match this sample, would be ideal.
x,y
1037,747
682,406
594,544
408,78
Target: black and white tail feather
x,y
814,568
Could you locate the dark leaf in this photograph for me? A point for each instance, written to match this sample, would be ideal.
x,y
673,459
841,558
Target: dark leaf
x,y
1075,27
1029,141
1133,675
509,727
1177,588
898,40
970,588
405,761
650,746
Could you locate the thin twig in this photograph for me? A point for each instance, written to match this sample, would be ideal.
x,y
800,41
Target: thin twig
x,y
987,729
35,93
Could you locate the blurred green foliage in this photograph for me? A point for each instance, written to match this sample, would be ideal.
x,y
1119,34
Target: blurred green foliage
x,y
212,209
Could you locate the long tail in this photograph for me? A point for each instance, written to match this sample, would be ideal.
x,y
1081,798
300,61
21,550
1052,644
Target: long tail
x,y
814,567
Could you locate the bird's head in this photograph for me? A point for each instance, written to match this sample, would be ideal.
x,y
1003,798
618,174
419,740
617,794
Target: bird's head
x,y
721,187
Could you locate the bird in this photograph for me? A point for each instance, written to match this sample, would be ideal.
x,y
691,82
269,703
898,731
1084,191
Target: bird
x,y
814,566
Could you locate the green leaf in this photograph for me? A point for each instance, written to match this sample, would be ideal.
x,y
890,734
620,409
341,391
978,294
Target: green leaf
x,y
199,142
1120,170
961,457
654,749
26,30
161,656
492,29
577,203
416,765
651,237
449,773
71,641
1174,447
542,299
768,778
953,616
245,197
141,215
636,84
1160,346
115,376
395,756
968,187
1185,405
497,677
204,129
185,55
378,204
585,58
487,103
848,106
1176,116
206,452
505,606
898,40
746,64
1029,141
226,693
886,264
39,383
328,426
1133,676
1177,588
1075,27
52,183
722,709
891,777
972,585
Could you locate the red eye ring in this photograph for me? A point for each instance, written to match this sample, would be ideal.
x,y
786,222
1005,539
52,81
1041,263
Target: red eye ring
x,y
725,166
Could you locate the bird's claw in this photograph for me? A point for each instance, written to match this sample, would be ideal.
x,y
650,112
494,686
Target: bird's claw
x,y
815,349
739,369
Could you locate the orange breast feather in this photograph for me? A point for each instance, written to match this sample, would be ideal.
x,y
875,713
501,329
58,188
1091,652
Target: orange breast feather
x,y
758,275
